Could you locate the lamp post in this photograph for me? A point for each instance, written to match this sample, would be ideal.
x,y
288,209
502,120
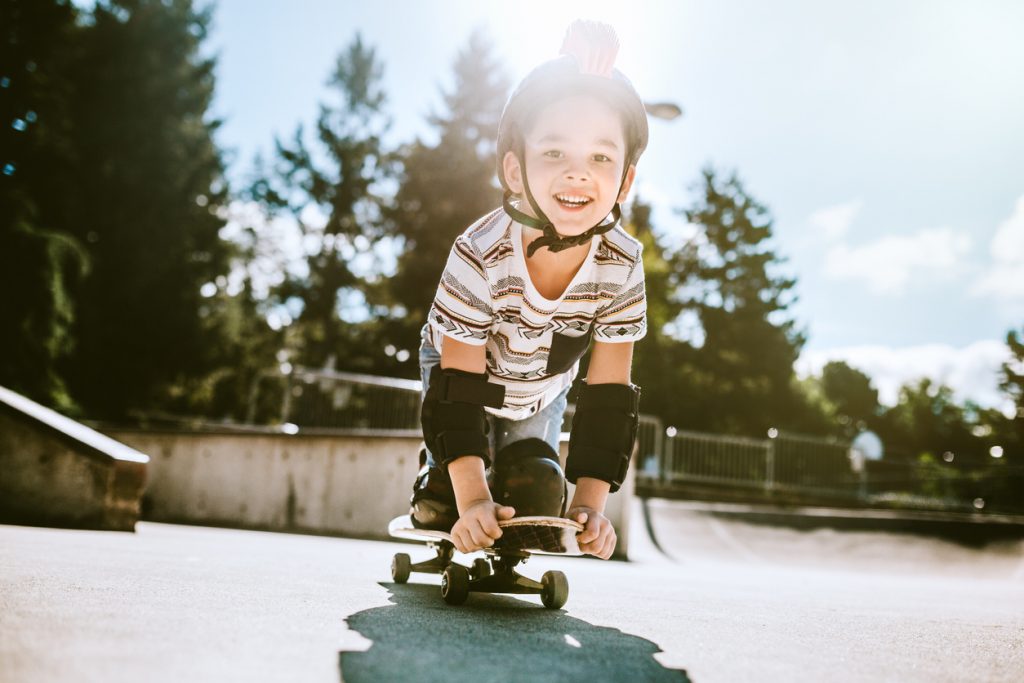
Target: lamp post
x,y
666,111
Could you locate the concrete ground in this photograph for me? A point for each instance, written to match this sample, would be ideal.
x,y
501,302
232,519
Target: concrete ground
x,y
730,601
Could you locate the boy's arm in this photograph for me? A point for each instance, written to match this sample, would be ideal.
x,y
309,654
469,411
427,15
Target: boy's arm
x,y
469,480
610,363
477,526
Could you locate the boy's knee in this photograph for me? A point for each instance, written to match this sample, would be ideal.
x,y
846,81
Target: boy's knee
x,y
526,475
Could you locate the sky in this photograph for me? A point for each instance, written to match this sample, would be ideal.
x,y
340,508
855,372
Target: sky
x,y
884,137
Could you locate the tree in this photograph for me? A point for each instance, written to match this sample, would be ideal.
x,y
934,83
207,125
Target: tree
x,y
40,39
333,192
854,401
927,419
664,366
143,197
749,344
1012,384
444,187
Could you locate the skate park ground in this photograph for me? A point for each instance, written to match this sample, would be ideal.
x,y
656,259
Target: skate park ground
x,y
729,599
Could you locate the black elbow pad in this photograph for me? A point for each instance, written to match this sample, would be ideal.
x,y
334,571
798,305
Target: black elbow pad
x,y
452,417
603,433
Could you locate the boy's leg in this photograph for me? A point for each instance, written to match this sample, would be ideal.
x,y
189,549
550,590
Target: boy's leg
x,y
526,472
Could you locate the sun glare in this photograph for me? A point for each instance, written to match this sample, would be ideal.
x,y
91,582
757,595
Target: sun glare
x,y
543,27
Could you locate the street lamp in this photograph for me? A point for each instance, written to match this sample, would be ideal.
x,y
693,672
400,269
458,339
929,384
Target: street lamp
x,y
663,110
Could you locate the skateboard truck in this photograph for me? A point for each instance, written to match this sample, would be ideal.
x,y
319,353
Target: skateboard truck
x,y
495,573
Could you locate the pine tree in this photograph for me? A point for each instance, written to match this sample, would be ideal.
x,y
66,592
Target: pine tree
x,y
445,186
663,364
144,195
40,40
1012,384
749,345
854,401
333,192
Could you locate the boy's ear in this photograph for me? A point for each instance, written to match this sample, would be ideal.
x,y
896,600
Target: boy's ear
x,y
513,172
627,184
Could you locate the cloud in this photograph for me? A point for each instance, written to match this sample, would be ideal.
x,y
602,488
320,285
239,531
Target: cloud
x,y
972,371
1005,279
887,265
835,221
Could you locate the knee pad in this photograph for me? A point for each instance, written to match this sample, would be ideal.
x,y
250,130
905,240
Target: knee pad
x,y
527,476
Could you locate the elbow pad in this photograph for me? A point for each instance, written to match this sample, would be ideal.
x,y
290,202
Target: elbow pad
x,y
452,417
603,433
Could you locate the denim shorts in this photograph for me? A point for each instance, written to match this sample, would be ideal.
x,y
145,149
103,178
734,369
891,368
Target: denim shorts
x,y
545,424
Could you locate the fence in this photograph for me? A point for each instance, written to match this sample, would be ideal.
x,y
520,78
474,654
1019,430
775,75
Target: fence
x,y
668,461
328,399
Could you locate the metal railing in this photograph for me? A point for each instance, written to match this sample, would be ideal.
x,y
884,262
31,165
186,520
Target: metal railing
x,y
329,399
668,461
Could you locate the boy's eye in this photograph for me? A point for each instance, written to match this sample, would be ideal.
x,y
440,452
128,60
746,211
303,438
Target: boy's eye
x,y
553,153
601,157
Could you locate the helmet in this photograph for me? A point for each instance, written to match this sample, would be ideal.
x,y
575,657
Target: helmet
x,y
561,78
584,68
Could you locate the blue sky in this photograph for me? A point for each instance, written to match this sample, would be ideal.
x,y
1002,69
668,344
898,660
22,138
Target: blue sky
x,y
884,137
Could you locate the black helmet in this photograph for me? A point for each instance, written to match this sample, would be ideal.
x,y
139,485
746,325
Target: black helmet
x,y
584,68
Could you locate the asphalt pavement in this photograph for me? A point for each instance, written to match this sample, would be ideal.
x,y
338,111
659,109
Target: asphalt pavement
x,y
723,599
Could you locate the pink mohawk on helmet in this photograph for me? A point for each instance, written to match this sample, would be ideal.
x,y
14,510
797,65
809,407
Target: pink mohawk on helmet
x,y
593,44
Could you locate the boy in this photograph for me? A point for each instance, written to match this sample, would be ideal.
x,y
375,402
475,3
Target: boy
x,y
525,290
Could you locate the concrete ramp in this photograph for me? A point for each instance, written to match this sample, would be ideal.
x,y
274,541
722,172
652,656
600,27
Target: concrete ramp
x,y
57,472
686,532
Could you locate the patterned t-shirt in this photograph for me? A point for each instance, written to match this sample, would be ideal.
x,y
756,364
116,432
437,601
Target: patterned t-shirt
x,y
533,344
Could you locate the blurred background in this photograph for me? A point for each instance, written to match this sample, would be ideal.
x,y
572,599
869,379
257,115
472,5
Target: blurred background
x,y
236,214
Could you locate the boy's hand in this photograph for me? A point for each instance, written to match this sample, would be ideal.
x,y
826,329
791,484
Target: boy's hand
x,y
598,536
478,525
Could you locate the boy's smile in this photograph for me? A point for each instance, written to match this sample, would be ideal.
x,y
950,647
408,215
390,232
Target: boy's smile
x,y
575,154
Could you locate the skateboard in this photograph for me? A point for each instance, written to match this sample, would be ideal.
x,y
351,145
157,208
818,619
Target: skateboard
x,y
495,572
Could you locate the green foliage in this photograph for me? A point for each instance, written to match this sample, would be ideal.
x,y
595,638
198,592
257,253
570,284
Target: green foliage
x,y
444,187
333,193
663,366
815,413
928,419
853,401
36,259
1012,383
745,360
936,479
143,197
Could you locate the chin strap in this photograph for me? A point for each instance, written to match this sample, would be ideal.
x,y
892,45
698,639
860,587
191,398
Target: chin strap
x,y
551,238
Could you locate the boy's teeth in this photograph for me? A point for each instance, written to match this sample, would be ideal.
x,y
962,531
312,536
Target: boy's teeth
x,y
571,200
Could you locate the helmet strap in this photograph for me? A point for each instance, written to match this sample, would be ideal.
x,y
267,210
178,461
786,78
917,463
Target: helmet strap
x,y
551,238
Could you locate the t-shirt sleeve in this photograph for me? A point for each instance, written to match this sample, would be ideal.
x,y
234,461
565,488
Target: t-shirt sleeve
x,y
462,307
625,318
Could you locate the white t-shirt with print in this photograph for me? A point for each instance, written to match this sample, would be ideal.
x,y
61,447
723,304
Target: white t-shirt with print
x,y
533,344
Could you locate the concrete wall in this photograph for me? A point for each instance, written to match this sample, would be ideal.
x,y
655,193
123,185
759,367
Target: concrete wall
x,y
331,483
50,479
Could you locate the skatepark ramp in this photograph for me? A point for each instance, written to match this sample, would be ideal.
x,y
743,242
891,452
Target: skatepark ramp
x,y
874,541
58,472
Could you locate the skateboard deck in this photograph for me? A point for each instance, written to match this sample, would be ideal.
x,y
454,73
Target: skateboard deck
x,y
495,572
549,535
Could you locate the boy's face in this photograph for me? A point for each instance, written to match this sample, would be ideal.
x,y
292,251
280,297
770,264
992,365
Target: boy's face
x,y
575,154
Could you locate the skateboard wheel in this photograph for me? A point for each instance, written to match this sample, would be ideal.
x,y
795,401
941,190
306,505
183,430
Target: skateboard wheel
x,y
401,568
480,569
555,591
455,584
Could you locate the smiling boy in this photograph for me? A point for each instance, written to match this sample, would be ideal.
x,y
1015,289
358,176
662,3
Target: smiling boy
x,y
526,291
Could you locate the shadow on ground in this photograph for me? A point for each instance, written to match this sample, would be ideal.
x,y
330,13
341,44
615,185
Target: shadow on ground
x,y
491,637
